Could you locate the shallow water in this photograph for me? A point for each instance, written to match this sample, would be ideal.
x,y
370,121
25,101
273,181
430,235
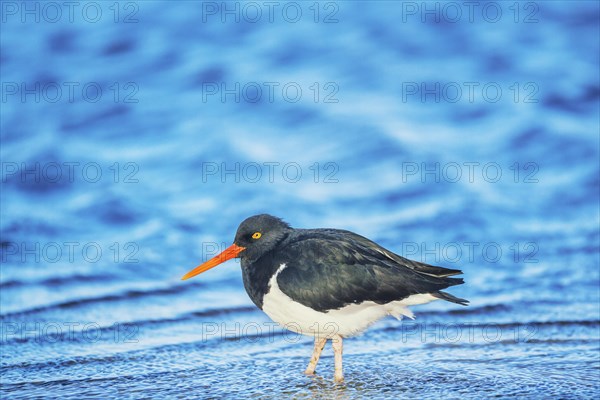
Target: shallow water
x,y
107,200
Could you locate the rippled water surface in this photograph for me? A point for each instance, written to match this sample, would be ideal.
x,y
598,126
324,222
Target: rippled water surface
x,y
470,143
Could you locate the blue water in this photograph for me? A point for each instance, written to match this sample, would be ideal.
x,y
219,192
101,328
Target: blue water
x,y
134,143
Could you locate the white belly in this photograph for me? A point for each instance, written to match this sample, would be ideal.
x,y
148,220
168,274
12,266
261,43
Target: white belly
x,y
346,321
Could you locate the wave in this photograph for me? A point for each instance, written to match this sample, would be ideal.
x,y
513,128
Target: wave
x,y
60,280
127,295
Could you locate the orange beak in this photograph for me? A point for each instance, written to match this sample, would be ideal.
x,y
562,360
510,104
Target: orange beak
x,y
227,254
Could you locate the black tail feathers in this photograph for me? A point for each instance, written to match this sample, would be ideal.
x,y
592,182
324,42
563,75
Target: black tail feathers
x,y
448,297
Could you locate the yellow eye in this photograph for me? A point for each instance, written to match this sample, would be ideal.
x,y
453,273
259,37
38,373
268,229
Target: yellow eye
x,y
256,235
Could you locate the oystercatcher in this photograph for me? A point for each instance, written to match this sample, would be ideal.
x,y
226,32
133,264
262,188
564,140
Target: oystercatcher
x,y
328,283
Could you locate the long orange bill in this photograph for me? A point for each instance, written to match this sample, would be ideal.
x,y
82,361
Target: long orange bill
x,y
229,253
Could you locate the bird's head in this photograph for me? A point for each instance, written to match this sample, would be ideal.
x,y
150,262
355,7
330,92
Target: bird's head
x,y
255,236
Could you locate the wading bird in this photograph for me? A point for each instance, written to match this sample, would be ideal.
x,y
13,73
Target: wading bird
x,y
328,283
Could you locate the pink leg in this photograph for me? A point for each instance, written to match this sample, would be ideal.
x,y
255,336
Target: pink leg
x,y
336,341
319,344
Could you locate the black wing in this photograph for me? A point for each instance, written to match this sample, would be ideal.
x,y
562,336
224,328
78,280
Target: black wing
x,y
327,269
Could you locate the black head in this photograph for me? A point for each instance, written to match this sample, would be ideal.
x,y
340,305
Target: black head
x,y
255,237
259,234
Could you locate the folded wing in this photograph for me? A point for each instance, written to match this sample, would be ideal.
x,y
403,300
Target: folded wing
x,y
336,268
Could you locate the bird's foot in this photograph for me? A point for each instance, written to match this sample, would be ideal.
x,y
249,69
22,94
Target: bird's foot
x,y
309,371
338,377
